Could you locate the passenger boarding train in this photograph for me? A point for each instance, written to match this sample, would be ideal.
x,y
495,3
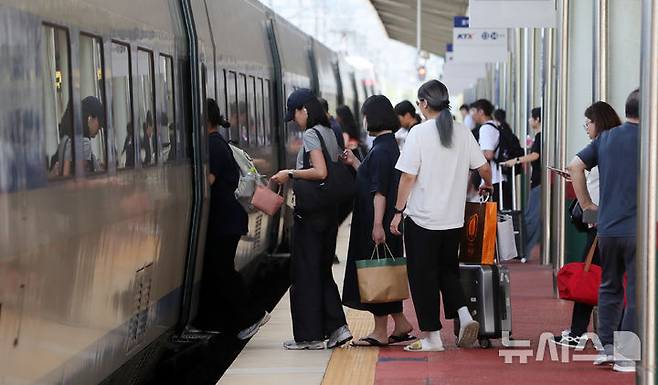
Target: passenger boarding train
x,y
102,230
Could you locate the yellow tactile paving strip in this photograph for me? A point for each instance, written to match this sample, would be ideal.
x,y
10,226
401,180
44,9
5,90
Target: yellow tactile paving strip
x,y
351,365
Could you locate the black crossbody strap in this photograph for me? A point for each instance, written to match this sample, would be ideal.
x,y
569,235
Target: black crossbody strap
x,y
325,152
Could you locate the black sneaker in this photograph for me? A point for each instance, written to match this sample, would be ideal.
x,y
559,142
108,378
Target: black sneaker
x,y
567,340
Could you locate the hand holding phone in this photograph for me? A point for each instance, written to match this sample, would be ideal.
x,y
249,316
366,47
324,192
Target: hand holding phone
x,y
563,173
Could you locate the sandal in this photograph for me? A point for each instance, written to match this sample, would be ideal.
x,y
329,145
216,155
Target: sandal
x,y
368,341
419,347
393,339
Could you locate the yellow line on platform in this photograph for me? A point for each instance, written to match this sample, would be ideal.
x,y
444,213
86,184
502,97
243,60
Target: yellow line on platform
x,y
351,365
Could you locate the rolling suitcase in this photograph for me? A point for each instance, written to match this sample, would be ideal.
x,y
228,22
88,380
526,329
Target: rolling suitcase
x,y
518,219
487,292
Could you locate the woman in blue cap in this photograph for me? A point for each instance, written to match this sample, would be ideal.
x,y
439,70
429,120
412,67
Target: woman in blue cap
x,y
317,313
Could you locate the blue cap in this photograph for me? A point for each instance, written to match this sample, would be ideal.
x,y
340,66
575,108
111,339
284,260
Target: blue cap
x,y
296,100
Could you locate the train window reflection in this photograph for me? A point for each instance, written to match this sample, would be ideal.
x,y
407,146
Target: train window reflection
x,y
232,105
168,121
92,92
260,112
146,109
242,110
57,110
124,139
267,112
251,105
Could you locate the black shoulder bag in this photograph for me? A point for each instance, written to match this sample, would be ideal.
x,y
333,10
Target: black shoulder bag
x,y
313,195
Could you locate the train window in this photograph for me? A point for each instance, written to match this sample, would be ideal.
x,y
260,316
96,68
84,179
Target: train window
x,y
232,104
251,105
167,119
92,91
145,109
267,113
124,139
260,112
242,110
57,111
221,101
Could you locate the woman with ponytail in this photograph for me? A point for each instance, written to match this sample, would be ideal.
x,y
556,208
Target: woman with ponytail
x,y
435,165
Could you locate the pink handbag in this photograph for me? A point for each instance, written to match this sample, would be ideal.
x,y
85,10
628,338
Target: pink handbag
x,y
266,200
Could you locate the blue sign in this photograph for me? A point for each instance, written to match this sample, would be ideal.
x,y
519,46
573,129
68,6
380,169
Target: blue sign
x,y
461,21
449,47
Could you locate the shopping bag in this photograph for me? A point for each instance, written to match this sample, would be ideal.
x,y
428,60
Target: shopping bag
x,y
266,200
506,242
478,241
382,280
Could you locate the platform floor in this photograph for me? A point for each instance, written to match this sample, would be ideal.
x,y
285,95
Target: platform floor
x,y
535,311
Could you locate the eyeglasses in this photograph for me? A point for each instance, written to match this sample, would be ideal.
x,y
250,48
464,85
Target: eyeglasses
x,y
587,124
418,102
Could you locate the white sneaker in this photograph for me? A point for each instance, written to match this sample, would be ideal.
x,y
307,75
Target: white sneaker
x,y
603,358
304,345
253,329
339,337
624,366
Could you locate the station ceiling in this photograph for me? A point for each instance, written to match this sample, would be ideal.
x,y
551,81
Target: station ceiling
x,y
399,19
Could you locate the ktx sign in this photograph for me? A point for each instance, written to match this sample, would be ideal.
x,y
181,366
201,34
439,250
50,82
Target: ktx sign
x,y
485,45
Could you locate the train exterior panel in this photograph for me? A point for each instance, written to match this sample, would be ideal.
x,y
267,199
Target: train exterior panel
x,y
91,263
102,234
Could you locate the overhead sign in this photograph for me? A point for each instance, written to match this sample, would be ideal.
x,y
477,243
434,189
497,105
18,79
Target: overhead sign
x,y
513,13
478,45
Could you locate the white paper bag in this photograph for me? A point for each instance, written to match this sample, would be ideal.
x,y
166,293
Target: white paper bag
x,y
506,244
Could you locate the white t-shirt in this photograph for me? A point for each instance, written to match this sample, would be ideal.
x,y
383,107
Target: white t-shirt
x,y
468,122
401,136
489,137
439,194
593,184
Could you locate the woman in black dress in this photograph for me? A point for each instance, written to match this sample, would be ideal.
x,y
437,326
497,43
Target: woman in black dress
x,y
377,181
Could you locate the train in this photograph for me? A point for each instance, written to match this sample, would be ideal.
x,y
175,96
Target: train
x,y
102,230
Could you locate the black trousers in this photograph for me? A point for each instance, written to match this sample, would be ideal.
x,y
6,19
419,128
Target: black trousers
x,y
343,211
224,300
314,299
582,313
433,268
507,194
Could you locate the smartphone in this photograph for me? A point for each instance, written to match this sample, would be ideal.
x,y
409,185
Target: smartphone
x,y
562,173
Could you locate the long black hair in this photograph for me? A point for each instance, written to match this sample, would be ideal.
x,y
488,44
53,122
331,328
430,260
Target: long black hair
x,y
501,117
347,122
436,95
316,114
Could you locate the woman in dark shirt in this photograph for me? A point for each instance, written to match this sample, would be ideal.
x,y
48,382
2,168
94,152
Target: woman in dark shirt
x,y
224,295
532,213
377,182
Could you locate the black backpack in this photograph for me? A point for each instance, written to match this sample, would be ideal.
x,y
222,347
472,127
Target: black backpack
x,y
509,147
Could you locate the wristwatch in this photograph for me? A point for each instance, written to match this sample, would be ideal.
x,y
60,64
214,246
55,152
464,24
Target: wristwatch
x,y
398,211
291,174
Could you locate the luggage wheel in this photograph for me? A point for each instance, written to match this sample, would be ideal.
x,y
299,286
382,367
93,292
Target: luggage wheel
x,y
485,343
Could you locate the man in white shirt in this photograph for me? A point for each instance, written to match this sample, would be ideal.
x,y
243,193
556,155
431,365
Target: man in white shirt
x,y
466,116
489,139
408,118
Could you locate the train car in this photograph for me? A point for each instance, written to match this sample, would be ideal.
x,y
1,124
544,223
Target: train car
x,y
102,220
94,224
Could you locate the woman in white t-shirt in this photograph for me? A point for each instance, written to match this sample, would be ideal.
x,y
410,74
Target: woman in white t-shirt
x,y
599,117
435,164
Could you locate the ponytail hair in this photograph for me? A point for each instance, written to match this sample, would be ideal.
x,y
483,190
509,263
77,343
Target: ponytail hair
x,y
436,95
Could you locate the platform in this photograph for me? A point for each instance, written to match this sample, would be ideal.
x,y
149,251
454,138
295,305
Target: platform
x,y
535,311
